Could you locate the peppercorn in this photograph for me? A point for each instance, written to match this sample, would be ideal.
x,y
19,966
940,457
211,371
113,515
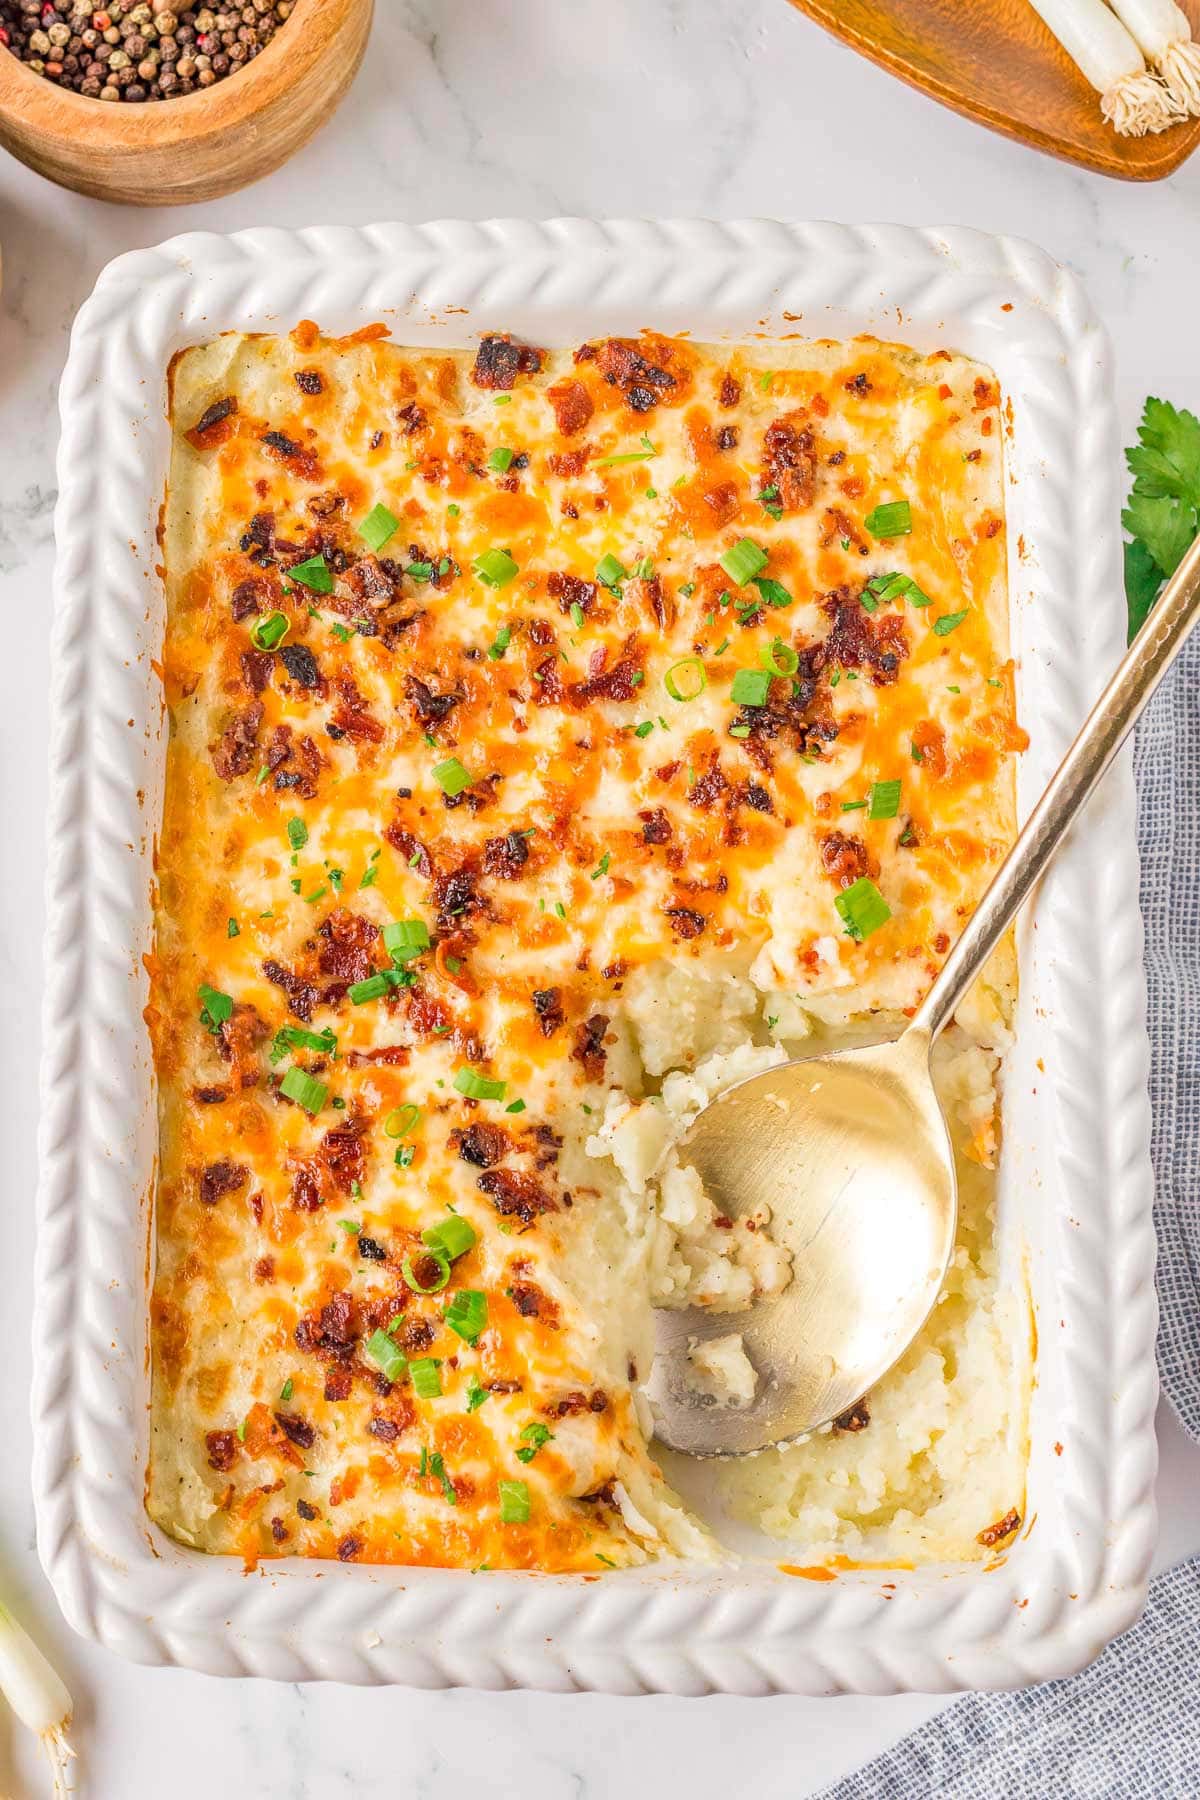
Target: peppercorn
x,y
136,50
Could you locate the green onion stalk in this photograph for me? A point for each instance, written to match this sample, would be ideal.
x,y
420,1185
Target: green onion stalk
x,y
37,1696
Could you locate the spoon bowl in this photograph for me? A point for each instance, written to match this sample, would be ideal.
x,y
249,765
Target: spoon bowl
x,y
851,1153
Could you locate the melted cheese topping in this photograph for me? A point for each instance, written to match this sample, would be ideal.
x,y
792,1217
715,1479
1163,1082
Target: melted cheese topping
x,y
545,777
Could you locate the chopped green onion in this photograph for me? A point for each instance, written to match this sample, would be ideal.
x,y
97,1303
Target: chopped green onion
x,y
405,938
386,1355
495,568
404,1119
694,679
404,1156
232,928
287,1390
892,587
500,643
751,687
772,591
453,510
378,526
451,777
852,805
297,832
215,1008
373,988
949,622
441,1262
476,1395
437,1467
609,571
739,731
577,615
863,908
269,633
644,729
426,1373
501,459
304,1089
885,799
515,1106
891,520
467,1313
419,571
514,1502
602,866
479,1087
532,1439
452,1236
779,658
501,399
743,562
627,456
295,1037
314,574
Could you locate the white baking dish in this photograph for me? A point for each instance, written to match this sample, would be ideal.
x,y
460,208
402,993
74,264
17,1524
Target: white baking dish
x,y
1076,1185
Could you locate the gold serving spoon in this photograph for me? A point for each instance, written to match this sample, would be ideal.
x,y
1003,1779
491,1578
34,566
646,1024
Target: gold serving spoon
x,y
852,1153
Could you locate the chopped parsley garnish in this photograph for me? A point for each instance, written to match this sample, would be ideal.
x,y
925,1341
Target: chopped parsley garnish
x,y
771,591
500,643
532,1439
232,928
438,1468
949,622
296,1037
297,832
1163,512
768,499
515,1106
215,1008
892,586
287,1390
476,1395
314,573
602,866
644,729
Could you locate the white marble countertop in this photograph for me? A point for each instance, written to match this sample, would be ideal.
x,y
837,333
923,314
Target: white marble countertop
x,y
477,108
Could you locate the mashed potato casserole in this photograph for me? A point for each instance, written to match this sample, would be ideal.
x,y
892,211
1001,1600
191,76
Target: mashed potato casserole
x,y
557,736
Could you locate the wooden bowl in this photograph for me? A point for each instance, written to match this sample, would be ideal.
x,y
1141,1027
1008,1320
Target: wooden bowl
x,y
168,152
999,65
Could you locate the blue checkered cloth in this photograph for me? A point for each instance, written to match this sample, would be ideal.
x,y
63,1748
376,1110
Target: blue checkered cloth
x,y
1128,1728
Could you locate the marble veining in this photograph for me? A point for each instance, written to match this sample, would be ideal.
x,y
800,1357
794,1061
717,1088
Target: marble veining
x,y
475,108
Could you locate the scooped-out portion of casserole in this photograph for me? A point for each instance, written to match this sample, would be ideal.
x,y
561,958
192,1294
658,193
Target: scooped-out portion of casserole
x,y
555,737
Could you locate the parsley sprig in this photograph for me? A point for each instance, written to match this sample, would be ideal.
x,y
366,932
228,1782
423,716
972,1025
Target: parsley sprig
x,y
1163,514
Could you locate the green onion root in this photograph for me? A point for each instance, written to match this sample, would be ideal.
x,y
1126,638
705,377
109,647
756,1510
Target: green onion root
x,y
1132,99
37,1696
1163,32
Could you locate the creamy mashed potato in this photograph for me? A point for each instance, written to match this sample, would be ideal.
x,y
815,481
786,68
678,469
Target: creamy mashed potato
x,y
556,737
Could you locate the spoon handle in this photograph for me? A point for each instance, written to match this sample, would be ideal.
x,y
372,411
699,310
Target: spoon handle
x,y
1139,672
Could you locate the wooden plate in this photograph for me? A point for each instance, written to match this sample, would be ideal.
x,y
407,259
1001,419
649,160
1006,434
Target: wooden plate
x,y
998,64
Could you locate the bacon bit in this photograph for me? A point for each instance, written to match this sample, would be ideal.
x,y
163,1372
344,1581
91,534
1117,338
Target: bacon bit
x,y
729,392
256,669
570,591
264,1268
222,1178
386,1430
482,1145
572,406
656,827
856,1419
345,1154
499,361
790,461
846,859
329,1332
454,892
348,1549
302,462
279,1531
986,394
301,665
339,1383
237,1043
941,943
621,682
685,922
306,1188
995,1534
709,787
722,502
210,1096
234,753
346,943
512,1192
623,366
309,381
532,1303
837,525
411,849
547,1004
249,597
588,1049
302,996
370,582
429,707
575,1402
306,1510
506,857
352,717
204,433
857,640
296,1429
569,463
222,1449
389,1055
